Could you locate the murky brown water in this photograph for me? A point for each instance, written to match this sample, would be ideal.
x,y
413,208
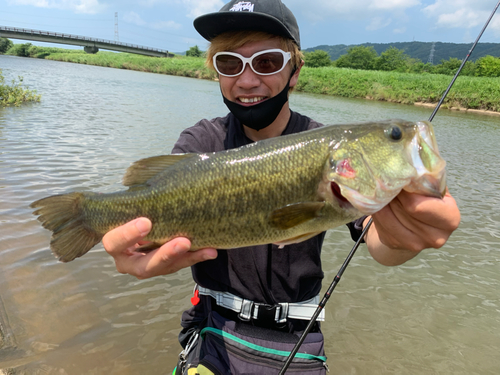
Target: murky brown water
x,y
437,314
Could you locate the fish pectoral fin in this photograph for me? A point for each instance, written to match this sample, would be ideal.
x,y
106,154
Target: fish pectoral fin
x,y
297,239
294,214
143,170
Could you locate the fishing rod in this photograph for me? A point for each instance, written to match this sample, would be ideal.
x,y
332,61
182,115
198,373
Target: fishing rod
x,y
336,280
463,62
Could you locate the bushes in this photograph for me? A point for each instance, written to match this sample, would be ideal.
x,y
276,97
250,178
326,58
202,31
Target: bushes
x,y
179,65
21,50
468,92
395,60
15,94
488,66
317,59
5,45
391,59
359,57
194,52
408,83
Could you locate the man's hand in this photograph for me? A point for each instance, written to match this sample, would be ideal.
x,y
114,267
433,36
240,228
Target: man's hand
x,y
409,224
121,243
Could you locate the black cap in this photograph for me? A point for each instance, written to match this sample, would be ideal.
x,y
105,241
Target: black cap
x,y
271,16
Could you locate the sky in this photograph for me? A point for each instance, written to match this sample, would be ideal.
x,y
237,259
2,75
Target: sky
x,y
168,24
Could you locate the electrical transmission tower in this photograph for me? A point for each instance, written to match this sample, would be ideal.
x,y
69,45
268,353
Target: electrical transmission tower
x,y
117,39
430,60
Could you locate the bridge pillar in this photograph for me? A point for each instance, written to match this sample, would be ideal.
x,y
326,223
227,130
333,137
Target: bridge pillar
x,y
91,49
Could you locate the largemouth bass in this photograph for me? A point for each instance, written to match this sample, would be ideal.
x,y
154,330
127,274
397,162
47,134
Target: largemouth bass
x,y
280,190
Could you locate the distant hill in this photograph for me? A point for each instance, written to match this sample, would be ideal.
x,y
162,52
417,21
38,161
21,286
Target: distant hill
x,y
420,50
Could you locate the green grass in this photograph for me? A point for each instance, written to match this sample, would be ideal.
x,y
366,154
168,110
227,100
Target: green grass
x,y
15,94
180,65
467,92
408,88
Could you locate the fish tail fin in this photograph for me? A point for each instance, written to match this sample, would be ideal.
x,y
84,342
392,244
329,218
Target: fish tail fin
x,y
63,215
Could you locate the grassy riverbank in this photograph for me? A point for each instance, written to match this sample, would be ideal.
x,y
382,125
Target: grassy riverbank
x,y
193,67
478,93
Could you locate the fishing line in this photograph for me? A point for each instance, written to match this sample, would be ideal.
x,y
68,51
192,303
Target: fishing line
x,y
336,280
463,62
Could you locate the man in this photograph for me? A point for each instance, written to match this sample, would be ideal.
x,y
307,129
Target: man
x,y
255,48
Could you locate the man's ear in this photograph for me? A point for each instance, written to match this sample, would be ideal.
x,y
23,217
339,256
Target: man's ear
x,y
295,77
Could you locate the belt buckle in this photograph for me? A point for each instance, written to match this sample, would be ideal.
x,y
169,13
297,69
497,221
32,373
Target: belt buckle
x,y
268,313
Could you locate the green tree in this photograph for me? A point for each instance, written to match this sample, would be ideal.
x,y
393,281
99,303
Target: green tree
x,y
5,44
22,50
194,52
488,66
417,66
358,57
317,59
449,67
392,59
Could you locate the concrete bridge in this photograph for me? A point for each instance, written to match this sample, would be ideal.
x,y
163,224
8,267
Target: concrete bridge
x,y
90,45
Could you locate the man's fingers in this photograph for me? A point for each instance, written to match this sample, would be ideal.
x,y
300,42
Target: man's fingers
x,y
169,258
439,213
415,222
126,236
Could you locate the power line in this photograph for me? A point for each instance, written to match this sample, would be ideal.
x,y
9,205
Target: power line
x,y
40,24
61,18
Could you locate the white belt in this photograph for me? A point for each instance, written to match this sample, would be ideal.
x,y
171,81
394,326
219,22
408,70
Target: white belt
x,y
250,310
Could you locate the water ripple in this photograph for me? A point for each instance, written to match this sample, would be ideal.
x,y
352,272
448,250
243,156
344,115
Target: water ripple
x,y
439,313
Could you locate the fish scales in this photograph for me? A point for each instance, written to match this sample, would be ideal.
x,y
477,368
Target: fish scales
x,y
280,190
233,193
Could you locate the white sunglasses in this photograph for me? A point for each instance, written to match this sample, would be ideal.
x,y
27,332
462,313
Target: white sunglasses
x,y
264,63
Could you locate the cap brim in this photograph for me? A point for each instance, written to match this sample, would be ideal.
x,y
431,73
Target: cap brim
x,y
213,24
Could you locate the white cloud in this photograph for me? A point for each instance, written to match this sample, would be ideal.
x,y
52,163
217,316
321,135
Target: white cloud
x,y
401,30
196,8
378,23
460,13
495,25
170,25
324,10
78,6
393,4
460,18
134,18
193,8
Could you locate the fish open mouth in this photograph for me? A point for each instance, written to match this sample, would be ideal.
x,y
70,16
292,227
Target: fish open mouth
x,y
343,202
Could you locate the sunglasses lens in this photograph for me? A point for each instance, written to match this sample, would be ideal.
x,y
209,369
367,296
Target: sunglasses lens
x,y
268,63
229,65
264,63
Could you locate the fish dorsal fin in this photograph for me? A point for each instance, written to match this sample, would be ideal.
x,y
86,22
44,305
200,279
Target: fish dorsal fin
x,y
142,170
294,214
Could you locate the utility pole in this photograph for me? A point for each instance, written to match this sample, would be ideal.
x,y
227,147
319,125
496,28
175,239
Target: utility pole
x,y
430,60
117,39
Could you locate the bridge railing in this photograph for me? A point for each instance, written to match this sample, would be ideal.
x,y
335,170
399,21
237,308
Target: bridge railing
x,y
78,37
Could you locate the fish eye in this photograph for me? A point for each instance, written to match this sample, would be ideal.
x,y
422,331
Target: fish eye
x,y
394,133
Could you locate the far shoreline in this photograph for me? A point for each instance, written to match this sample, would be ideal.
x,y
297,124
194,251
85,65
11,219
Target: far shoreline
x,y
479,95
459,109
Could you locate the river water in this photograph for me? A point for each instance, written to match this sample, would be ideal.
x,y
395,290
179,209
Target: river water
x,y
437,314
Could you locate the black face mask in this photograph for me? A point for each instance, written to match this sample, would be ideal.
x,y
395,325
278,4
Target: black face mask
x,y
261,115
